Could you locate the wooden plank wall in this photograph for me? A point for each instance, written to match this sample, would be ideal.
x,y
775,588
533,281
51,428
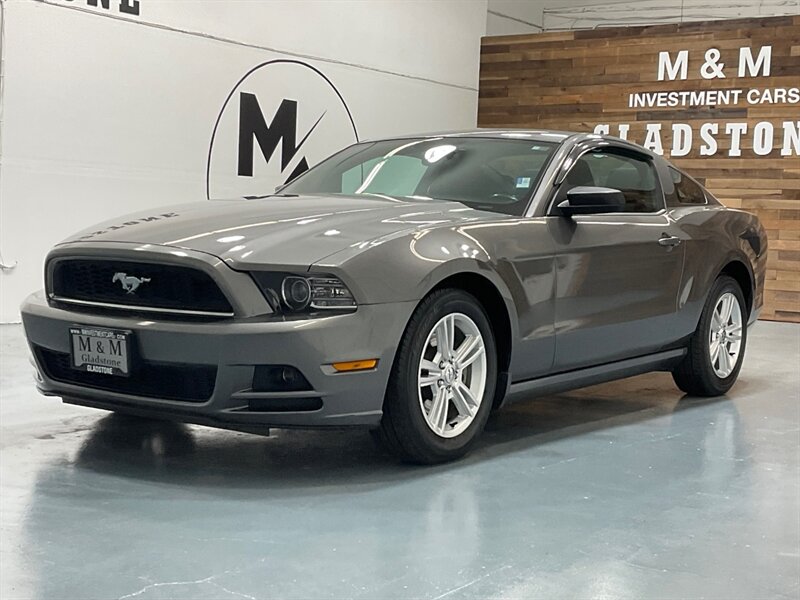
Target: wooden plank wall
x,y
575,80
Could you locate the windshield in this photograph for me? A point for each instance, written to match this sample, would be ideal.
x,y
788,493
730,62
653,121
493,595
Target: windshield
x,y
490,174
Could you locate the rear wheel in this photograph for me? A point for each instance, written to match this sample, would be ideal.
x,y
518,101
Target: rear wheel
x,y
716,349
442,384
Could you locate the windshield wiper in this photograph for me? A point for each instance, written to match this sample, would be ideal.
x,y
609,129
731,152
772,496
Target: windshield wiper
x,y
271,196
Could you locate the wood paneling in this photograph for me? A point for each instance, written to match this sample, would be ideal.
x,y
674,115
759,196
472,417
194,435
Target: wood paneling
x,y
575,80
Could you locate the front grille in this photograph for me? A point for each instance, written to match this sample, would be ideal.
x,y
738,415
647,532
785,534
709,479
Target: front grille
x,y
138,285
164,381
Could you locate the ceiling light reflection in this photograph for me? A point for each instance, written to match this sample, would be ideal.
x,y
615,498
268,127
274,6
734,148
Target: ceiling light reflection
x,y
437,153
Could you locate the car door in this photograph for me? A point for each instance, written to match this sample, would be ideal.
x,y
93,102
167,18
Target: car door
x,y
617,274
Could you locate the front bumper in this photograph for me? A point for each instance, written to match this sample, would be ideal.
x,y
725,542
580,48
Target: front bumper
x,y
236,346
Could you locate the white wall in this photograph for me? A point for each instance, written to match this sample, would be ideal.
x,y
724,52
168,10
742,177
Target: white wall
x,y
105,113
509,17
506,17
563,14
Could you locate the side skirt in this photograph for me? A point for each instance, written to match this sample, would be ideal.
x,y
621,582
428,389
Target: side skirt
x,y
570,380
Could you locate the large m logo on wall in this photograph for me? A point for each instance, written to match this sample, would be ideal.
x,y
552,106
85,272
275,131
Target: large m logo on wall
x,y
280,118
282,129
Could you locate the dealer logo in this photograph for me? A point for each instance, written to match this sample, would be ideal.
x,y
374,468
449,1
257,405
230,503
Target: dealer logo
x,y
281,118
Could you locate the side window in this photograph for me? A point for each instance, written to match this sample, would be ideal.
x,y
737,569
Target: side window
x,y
686,190
634,177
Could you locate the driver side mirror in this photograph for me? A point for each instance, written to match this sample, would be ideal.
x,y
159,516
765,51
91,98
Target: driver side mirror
x,y
586,200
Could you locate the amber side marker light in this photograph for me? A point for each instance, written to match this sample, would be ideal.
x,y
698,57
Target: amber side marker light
x,y
355,365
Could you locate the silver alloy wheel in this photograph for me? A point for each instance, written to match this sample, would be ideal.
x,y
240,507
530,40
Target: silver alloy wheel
x,y
725,335
452,375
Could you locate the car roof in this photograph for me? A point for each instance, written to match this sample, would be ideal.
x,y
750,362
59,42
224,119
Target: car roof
x,y
539,135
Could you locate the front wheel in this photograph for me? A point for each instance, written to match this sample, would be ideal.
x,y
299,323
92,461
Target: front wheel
x,y
716,349
443,380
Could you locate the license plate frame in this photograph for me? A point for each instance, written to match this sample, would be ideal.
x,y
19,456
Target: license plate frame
x,y
101,350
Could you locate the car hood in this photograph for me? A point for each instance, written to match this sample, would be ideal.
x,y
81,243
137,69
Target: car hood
x,y
296,231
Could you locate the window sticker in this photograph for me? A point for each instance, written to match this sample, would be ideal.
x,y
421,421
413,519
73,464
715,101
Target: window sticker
x,y
523,182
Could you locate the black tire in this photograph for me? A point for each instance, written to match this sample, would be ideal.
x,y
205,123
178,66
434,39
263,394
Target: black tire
x,y
404,430
695,374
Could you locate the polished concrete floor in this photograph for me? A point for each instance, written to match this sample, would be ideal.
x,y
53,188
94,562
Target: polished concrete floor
x,y
625,490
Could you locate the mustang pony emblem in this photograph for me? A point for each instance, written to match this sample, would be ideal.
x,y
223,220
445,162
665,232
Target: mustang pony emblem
x,y
129,283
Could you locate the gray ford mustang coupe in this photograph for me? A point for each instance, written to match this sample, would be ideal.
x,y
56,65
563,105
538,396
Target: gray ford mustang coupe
x,y
407,285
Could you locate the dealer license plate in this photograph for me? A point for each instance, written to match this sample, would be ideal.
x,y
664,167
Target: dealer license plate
x,y
104,351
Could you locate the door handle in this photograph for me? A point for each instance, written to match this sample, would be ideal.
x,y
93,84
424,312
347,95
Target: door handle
x,y
669,240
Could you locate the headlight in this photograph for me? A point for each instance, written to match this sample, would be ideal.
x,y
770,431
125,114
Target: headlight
x,y
290,293
296,293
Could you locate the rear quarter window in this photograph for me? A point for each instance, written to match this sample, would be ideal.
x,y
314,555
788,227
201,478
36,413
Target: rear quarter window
x,y
687,191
